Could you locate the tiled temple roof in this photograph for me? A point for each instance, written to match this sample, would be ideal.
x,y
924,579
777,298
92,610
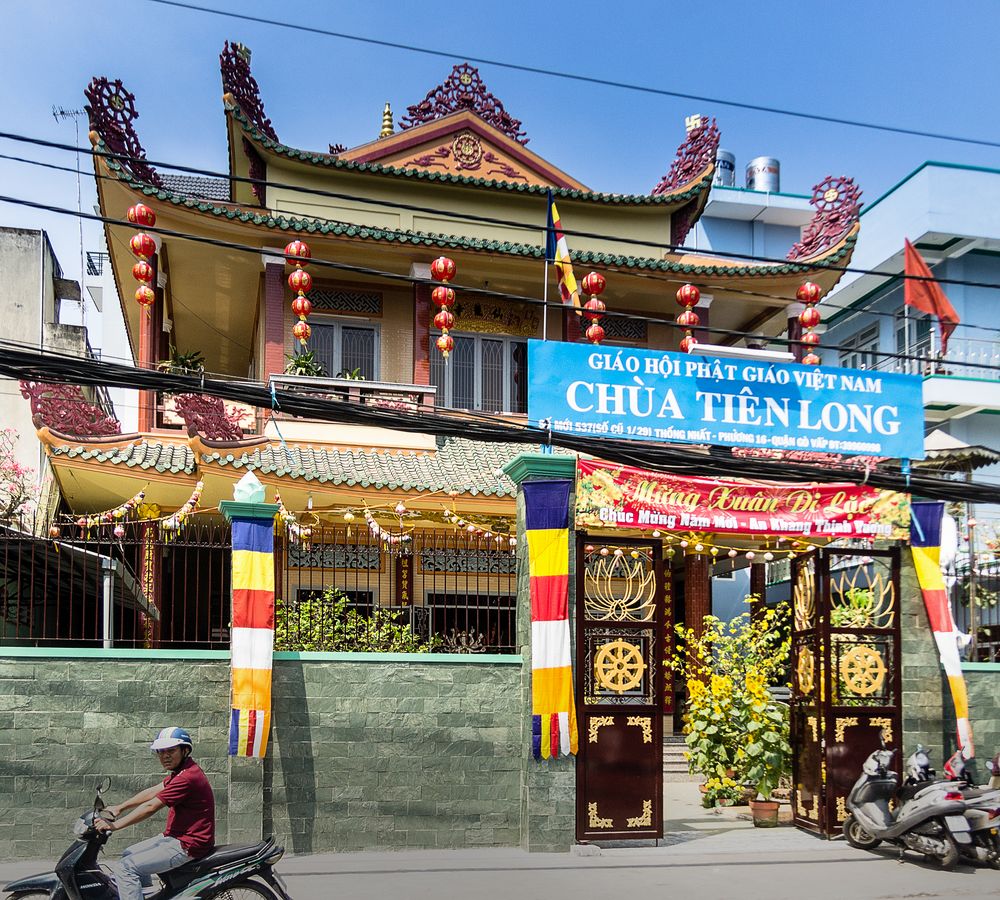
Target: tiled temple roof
x,y
175,458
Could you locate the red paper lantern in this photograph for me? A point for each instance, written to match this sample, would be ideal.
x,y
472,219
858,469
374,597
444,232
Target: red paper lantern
x,y
443,296
300,281
142,245
810,338
595,334
302,331
443,269
445,343
811,359
809,293
593,309
689,318
594,283
301,307
143,271
688,344
810,317
144,295
444,320
688,295
141,215
300,251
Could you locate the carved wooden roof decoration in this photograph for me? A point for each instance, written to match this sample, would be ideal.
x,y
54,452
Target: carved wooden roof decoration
x,y
694,156
63,408
242,86
838,211
111,111
464,89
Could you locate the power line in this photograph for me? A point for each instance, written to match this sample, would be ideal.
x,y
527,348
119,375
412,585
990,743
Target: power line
x,y
743,259
684,459
586,79
396,276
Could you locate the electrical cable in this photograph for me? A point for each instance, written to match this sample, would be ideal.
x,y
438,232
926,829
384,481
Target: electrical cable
x,y
717,462
529,226
586,79
410,279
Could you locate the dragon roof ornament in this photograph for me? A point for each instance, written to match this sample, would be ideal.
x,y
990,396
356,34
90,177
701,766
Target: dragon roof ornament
x,y
238,82
464,89
111,111
838,209
694,156
63,408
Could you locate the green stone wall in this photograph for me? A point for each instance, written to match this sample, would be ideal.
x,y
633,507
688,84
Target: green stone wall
x,y
366,753
983,680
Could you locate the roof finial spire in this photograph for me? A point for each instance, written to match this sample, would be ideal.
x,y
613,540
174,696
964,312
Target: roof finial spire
x,y
388,129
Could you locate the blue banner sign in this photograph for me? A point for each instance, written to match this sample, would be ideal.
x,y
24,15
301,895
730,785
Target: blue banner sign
x,y
649,395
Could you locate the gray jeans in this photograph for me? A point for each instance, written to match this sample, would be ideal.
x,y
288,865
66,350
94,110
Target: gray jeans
x,y
138,862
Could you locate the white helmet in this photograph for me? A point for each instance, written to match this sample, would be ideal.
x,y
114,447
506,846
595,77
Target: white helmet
x,y
172,737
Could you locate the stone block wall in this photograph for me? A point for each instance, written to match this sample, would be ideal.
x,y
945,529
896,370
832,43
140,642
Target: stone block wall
x,y
364,754
983,681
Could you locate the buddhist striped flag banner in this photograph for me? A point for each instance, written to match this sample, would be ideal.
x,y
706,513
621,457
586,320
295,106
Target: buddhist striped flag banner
x,y
546,516
925,543
252,635
557,250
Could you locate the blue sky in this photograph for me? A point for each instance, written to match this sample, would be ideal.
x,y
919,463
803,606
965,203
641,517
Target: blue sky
x,y
913,64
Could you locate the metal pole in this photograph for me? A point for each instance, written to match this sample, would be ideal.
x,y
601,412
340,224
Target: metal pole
x,y
906,337
109,595
545,302
970,513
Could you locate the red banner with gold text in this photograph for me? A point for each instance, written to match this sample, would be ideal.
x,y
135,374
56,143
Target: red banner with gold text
x,y
622,497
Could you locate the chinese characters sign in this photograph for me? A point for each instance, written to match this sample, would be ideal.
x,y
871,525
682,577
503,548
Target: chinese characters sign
x,y
655,396
623,497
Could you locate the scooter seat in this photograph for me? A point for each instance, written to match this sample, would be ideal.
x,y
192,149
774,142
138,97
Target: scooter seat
x,y
219,857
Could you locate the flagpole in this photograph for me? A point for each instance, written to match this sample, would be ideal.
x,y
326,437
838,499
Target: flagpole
x,y
545,301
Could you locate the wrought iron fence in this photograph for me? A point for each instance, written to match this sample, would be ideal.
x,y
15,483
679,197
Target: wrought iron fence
x,y
128,584
975,600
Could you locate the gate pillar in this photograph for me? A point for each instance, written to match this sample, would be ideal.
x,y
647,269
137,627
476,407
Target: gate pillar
x,y
548,787
697,591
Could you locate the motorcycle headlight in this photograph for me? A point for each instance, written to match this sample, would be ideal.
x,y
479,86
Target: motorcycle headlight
x,y
80,828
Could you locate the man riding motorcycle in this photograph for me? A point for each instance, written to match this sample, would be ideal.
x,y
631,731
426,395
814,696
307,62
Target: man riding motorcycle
x,y
190,830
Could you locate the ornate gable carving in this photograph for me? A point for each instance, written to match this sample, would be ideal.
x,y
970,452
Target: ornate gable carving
x,y
237,81
694,155
111,111
837,202
464,89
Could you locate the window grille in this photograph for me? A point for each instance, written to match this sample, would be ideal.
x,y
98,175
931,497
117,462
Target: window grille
x,y
344,347
484,372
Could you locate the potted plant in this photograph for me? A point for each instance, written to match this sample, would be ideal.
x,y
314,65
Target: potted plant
x,y
192,363
304,363
736,734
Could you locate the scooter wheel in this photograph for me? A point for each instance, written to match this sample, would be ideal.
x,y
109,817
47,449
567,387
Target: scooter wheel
x,y
857,836
950,857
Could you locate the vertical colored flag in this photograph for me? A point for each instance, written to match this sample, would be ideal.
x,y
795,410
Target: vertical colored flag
x,y
546,518
557,251
925,544
927,296
252,635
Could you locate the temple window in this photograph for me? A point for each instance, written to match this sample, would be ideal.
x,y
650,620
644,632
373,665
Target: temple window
x,y
345,347
485,372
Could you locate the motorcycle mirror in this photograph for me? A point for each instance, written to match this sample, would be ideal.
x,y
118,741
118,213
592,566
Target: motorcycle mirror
x,y
103,785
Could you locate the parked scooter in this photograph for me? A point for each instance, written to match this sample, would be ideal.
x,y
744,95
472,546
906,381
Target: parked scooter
x,y
927,823
238,873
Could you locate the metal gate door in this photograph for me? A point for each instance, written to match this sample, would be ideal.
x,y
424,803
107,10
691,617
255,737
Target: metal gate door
x,y
846,684
620,651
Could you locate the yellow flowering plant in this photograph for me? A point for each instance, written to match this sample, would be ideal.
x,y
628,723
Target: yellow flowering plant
x,y
736,733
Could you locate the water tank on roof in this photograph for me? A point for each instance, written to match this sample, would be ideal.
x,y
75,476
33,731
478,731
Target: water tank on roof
x,y
725,169
764,174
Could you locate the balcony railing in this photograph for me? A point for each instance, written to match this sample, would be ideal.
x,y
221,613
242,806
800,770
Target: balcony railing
x,y
966,358
381,394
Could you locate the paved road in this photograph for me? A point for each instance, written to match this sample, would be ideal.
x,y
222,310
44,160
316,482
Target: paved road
x,y
706,856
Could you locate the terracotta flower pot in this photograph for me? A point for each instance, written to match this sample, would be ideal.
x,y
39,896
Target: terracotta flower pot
x,y
764,813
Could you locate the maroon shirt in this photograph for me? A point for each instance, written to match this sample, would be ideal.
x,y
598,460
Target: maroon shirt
x,y
192,809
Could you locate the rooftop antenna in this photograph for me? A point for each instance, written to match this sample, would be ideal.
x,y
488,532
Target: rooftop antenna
x,y
60,114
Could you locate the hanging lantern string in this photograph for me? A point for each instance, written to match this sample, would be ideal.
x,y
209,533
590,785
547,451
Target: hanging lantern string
x,y
389,537
443,269
594,284
474,530
111,515
298,254
175,522
296,530
143,246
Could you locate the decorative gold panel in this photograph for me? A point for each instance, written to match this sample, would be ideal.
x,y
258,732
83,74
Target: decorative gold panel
x,y
618,666
885,724
645,820
861,597
841,809
813,727
863,670
841,725
620,588
594,820
645,723
595,724
805,596
805,671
